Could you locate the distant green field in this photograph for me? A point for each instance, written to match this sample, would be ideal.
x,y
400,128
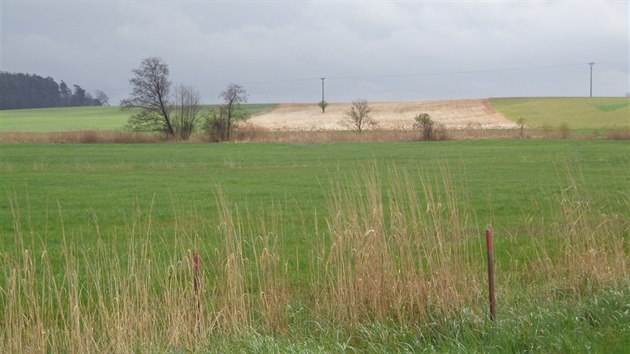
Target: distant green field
x,y
577,113
76,118
61,119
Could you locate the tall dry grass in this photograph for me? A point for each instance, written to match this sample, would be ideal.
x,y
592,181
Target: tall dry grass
x,y
620,133
249,134
102,299
586,248
254,134
393,248
399,251
81,137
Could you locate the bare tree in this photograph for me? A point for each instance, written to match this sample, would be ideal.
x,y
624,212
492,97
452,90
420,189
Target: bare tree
x,y
233,96
185,111
151,95
358,117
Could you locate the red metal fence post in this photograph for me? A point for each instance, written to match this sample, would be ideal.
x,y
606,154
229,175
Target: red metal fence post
x,y
491,297
196,289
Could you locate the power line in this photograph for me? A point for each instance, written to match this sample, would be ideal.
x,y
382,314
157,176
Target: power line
x,y
440,73
388,76
402,75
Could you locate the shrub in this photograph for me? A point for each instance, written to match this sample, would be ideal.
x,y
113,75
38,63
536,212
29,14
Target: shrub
x,y
215,126
323,104
431,130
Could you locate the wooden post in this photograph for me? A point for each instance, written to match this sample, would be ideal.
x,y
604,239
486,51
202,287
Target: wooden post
x,y
491,297
196,289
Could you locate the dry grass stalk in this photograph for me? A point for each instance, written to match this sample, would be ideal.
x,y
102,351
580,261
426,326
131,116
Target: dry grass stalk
x,y
235,314
271,275
264,272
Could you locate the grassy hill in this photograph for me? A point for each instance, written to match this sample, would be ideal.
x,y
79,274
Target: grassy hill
x,y
77,118
576,112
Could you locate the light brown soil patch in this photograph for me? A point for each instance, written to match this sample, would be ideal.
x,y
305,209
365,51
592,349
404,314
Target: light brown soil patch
x,y
454,114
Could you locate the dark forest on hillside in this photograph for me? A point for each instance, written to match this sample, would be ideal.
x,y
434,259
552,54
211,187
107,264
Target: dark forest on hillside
x,y
19,90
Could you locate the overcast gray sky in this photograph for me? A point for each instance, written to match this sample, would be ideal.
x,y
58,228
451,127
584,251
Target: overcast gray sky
x,y
376,50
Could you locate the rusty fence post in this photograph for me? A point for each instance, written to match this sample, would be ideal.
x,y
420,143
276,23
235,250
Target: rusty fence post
x,y
491,296
196,289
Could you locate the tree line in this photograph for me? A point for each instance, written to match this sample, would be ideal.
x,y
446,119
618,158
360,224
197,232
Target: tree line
x,y
18,90
176,113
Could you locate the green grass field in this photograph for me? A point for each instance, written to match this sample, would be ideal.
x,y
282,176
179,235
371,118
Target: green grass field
x,y
501,177
61,119
576,113
77,118
107,214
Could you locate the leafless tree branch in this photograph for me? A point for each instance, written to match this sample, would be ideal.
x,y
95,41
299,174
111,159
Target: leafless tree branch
x,y
150,93
185,111
358,117
233,96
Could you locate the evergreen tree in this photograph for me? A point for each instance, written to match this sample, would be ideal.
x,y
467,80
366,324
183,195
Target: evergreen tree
x,y
66,94
19,90
78,97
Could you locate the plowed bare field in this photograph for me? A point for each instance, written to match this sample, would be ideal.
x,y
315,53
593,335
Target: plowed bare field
x,y
454,114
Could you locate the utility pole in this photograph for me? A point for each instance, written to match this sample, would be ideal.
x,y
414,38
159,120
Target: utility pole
x,y
591,86
323,103
323,78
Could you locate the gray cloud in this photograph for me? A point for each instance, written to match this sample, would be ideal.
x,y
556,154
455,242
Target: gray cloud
x,y
378,50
